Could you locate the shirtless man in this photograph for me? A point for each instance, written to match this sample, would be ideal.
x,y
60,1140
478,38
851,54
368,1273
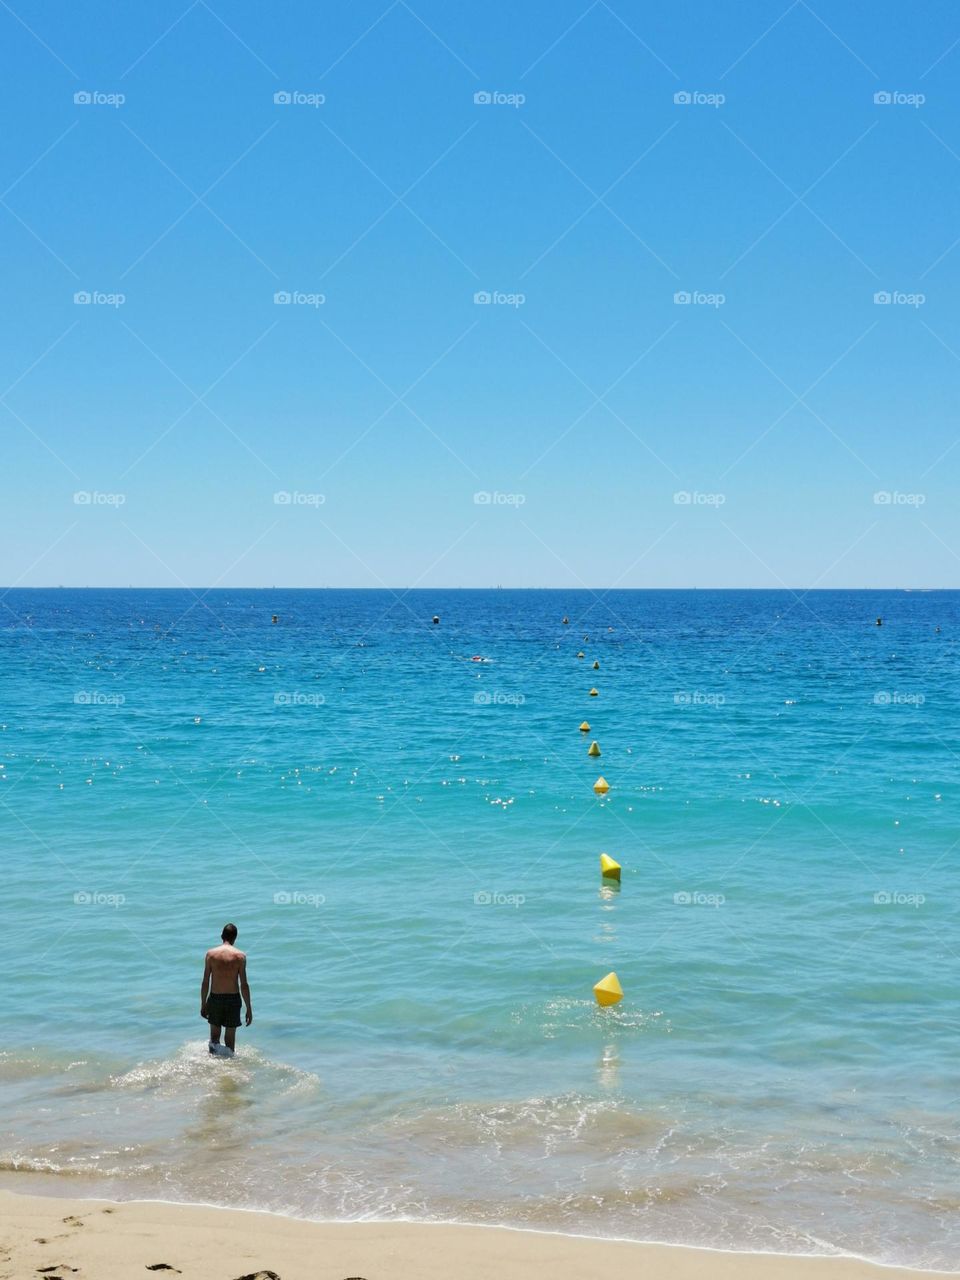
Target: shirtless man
x,y
224,971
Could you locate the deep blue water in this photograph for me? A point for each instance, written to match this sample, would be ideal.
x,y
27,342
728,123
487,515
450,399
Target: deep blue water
x,y
409,842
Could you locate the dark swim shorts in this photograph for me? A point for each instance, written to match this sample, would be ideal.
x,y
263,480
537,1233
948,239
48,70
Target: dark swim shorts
x,y
223,1010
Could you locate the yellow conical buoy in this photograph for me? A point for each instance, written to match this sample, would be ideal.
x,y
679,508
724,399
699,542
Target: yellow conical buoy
x,y
581,654
609,867
608,990
601,786
594,693
593,749
596,666
584,728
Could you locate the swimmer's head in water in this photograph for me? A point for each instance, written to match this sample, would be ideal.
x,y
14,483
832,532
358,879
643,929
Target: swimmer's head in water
x,y
229,933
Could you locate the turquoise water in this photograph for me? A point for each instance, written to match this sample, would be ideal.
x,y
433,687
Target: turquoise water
x,y
409,840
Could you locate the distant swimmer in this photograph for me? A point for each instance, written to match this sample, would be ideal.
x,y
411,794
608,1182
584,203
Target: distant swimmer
x,y
436,618
224,983
879,622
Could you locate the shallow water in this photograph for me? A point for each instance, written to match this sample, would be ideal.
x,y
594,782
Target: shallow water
x,y
409,842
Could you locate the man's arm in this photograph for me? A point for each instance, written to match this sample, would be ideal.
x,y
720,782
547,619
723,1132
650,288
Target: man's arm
x,y
245,991
205,985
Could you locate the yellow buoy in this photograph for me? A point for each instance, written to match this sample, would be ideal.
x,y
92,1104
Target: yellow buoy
x,y
596,666
601,786
594,693
584,728
593,749
581,654
609,867
608,990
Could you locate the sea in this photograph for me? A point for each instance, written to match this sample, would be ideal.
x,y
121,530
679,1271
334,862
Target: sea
x,y
390,793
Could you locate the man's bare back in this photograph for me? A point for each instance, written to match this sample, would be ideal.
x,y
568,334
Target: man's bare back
x,y
225,963
224,985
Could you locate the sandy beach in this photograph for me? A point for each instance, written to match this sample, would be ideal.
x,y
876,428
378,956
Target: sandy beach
x,y
105,1240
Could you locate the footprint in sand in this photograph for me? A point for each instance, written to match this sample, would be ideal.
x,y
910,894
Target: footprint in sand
x,y
61,1267
260,1275
163,1266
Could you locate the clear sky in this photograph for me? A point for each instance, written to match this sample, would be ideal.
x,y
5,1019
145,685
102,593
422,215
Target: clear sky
x,y
583,399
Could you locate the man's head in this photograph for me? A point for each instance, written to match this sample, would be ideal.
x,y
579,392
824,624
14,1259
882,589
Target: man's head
x,y
229,933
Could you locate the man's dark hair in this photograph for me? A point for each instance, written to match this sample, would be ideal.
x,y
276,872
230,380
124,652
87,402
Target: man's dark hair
x,y
229,933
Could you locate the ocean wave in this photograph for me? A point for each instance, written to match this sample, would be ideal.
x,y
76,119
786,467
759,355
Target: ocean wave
x,y
193,1065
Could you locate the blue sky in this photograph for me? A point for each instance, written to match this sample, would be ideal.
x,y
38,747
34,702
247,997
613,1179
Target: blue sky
x,y
624,438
